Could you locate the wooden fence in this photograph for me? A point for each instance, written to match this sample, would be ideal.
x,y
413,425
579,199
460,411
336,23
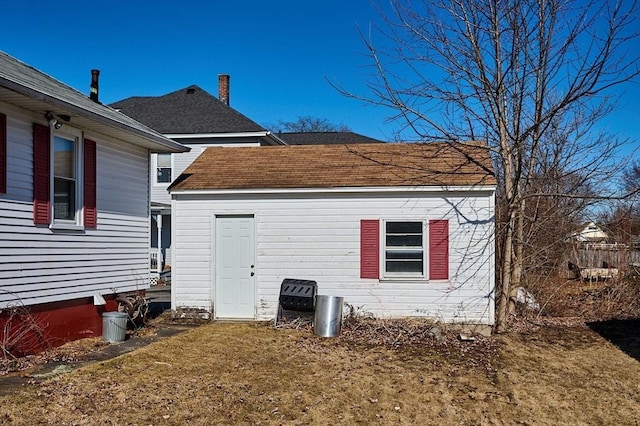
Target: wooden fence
x,y
602,258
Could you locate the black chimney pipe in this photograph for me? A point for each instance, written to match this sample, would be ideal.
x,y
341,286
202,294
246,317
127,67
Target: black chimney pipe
x,y
93,94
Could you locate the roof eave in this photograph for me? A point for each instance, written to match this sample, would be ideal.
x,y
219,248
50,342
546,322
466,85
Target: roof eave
x,y
259,134
275,139
350,189
149,139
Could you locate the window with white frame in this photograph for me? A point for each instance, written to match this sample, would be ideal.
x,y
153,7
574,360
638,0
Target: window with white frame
x,y
404,248
163,168
408,249
66,178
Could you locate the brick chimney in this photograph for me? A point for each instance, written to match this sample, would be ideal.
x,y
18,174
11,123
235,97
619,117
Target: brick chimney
x,y
94,92
223,87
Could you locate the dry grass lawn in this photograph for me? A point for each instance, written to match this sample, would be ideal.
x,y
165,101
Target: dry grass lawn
x,y
226,373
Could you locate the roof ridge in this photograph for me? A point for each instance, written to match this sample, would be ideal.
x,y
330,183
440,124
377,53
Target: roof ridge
x,y
188,110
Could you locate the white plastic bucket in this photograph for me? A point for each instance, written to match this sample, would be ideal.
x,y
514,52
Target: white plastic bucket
x,y
114,326
327,320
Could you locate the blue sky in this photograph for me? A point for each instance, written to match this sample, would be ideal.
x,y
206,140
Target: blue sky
x,y
279,54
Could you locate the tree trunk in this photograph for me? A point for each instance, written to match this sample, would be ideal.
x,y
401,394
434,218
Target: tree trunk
x,y
502,305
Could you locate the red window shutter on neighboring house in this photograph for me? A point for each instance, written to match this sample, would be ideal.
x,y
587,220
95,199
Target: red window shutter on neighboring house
x,y
438,249
369,249
41,174
3,153
90,210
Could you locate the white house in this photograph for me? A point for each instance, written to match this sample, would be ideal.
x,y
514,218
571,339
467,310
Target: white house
x,y
591,233
198,120
74,207
395,229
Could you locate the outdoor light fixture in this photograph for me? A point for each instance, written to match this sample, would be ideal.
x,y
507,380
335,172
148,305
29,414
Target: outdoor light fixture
x,y
53,122
56,121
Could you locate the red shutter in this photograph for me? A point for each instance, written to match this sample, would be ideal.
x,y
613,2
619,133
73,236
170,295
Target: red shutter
x,y
41,174
369,249
438,249
3,153
90,210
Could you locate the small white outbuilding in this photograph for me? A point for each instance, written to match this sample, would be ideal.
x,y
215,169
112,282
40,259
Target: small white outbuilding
x,y
395,229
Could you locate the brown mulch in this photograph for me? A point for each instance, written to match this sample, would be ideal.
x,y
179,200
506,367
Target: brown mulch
x,y
72,352
413,336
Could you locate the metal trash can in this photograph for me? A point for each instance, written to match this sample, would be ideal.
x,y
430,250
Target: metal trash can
x,y
114,326
327,321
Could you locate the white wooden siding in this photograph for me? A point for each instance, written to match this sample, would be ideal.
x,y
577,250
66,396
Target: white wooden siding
x,y
179,163
39,265
318,238
182,160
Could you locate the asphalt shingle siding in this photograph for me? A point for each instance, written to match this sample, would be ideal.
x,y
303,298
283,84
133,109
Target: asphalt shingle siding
x,y
191,110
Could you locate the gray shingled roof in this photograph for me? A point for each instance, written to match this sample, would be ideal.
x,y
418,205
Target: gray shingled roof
x,y
191,110
26,87
325,138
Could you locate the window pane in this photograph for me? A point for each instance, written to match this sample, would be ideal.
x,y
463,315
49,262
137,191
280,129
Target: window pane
x,y
404,254
64,181
164,160
413,266
404,227
164,175
63,157
64,199
404,240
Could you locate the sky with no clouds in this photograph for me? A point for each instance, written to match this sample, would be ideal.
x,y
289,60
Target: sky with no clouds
x,y
280,54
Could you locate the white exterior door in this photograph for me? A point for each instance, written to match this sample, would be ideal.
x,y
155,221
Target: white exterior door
x,y
235,267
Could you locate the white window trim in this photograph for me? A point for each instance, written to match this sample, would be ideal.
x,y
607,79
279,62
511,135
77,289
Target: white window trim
x,y
155,171
68,132
409,276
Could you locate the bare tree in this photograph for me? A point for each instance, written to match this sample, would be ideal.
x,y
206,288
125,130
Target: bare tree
x,y
623,220
632,179
308,124
531,77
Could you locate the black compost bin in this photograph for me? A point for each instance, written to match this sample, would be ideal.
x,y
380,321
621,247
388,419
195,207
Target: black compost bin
x,y
298,295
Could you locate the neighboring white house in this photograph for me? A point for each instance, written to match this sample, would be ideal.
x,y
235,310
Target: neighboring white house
x,y
74,207
591,233
196,119
395,229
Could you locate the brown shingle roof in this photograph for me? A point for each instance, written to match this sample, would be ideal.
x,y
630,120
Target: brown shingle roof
x,y
334,166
